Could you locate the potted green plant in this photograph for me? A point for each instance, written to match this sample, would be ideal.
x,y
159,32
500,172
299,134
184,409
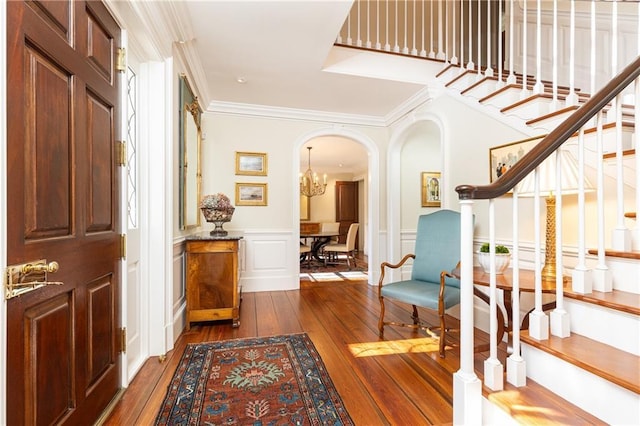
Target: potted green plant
x,y
503,258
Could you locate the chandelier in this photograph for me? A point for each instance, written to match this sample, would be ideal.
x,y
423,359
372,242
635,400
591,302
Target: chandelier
x,y
310,183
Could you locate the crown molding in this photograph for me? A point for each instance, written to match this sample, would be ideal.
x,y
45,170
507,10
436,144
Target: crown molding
x,y
420,98
293,114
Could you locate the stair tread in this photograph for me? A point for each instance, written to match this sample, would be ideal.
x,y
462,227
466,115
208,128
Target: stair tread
x,y
614,365
619,300
532,404
616,253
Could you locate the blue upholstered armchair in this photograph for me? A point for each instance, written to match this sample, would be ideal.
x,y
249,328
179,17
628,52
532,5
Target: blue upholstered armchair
x,y
437,253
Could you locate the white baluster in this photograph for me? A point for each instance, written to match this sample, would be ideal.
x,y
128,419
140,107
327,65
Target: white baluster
x,y
493,368
538,87
461,35
423,52
525,90
378,45
358,37
581,279
432,53
414,50
636,100
500,44
602,280
516,366
470,64
489,70
349,40
368,44
405,49
538,320
396,47
554,59
559,318
479,35
621,238
454,58
636,233
512,76
387,46
442,55
572,98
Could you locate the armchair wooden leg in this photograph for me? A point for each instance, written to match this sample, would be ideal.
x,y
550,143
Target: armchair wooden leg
x,y
416,318
381,320
443,333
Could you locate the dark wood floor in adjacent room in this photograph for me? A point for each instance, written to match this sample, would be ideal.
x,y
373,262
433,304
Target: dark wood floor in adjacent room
x,y
408,388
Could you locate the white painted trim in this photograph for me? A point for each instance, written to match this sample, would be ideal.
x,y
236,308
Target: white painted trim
x,y
3,205
170,134
293,114
394,188
157,241
373,185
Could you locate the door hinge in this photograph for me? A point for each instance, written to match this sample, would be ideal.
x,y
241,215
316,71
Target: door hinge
x,y
121,153
123,246
121,59
122,347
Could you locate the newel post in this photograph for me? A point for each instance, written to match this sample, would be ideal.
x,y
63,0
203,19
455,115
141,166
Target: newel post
x,y
467,388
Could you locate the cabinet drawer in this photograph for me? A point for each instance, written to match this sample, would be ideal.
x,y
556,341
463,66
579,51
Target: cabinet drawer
x,y
211,246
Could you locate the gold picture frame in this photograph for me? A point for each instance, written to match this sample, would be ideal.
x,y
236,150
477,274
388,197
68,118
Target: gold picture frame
x,y
251,163
503,157
431,195
305,208
251,194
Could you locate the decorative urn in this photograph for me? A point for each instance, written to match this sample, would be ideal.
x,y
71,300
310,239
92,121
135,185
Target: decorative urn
x,y
217,209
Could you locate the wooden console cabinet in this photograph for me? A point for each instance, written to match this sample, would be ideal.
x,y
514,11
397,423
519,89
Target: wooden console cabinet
x,y
213,291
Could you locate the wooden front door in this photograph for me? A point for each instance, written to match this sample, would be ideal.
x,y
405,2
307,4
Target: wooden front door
x,y
62,206
346,206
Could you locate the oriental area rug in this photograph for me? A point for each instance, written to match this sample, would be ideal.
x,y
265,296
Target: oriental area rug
x,y
278,380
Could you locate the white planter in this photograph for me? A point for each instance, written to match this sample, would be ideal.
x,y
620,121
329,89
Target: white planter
x,y
502,262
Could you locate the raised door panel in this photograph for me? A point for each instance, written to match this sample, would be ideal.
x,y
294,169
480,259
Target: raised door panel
x,y
50,360
48,154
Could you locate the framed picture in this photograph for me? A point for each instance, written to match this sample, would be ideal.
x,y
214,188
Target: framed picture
x,y
503,157
305,208
251,163
251,194
431,189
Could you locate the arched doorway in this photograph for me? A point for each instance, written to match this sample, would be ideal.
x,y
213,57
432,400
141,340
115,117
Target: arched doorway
x,y
327,148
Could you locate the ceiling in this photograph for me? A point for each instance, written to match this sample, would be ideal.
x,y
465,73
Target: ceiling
x,y
279,56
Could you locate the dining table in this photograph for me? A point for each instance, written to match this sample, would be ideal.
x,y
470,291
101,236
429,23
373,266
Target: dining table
x,y
319,240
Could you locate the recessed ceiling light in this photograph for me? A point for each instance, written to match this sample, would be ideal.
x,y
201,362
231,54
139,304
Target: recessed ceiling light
x,y
241,80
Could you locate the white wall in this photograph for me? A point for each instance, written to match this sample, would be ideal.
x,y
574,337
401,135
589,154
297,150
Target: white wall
x,y
272,231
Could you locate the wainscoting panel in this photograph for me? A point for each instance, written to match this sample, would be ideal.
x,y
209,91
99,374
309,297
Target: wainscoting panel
x,y
179,296
271,261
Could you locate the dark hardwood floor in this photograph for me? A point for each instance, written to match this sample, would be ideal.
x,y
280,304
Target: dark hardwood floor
x,y
381,381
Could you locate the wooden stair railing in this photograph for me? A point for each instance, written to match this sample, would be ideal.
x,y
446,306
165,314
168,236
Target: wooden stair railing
x,y
554,139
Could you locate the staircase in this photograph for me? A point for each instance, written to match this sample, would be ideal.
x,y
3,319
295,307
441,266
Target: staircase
x,y
586,350
597,359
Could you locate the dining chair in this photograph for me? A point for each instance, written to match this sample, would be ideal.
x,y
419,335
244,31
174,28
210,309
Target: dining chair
x,y
331,250
305,253
330,227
